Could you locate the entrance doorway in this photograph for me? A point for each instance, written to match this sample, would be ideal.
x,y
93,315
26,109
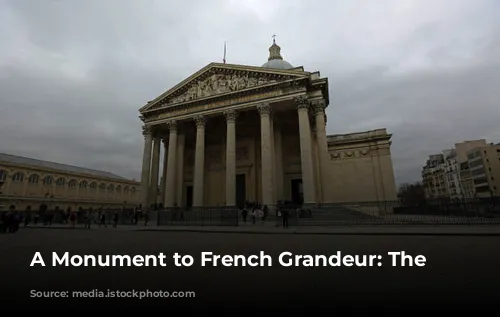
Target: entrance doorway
x,y
189,196
241,190
297,191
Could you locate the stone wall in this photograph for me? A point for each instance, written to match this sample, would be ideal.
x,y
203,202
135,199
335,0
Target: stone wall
x,y
360,168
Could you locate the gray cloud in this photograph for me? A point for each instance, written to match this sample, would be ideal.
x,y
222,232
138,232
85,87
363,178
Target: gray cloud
x,y
74,73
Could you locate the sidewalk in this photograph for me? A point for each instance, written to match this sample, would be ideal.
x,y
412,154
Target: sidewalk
x,y
478,230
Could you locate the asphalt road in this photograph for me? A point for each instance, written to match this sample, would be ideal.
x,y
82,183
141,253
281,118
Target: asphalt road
x,y
457,268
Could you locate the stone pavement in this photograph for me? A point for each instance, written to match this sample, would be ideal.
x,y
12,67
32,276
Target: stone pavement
x,y
271,228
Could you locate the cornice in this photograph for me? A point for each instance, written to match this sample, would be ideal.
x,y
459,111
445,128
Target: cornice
x,y
59,172
364,136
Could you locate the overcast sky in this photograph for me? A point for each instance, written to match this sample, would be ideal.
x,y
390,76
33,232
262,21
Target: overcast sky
x,y
74,73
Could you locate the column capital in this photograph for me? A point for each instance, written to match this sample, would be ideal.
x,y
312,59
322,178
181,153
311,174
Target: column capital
x,y
230,115
301,102
200,121
172,126
318,106
147,130
264,109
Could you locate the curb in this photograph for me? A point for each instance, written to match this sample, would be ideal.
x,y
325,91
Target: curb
x,y
486,234
54,228
290,232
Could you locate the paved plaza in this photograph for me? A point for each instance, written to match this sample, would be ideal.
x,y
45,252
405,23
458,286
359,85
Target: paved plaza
x,y
457,266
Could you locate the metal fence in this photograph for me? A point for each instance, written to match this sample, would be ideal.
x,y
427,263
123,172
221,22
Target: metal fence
x,y
48,217
200,216
456,212
470,212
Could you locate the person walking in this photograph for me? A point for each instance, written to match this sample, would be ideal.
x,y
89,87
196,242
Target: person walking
x,y
244,214
72,219
115,219
88,219
285,213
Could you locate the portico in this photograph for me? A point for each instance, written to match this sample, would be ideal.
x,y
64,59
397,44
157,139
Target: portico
x,y
232,133
236,140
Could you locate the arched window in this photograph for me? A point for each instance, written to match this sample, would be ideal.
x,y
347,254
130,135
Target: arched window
x,y
72,183
83,184
3,175
48,180
18,177
102,186
111,188
60,181
33,179
126,189
132,190
93,185
118,189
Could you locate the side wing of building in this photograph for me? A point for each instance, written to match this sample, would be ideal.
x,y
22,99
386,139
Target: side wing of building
x,y
28,182
360,167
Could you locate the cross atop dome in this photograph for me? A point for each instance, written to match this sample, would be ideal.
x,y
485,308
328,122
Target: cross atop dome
x,y
275,59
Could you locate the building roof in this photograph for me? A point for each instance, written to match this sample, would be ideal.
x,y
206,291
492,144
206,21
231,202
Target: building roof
x,y
21,160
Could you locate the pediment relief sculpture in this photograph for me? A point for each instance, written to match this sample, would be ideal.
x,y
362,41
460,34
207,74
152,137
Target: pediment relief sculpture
x,y
220,84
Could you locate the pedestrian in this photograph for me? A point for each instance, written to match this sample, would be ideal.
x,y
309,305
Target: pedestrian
x,y
102,221
254,214
260,215
284,215
27,216
244,214
88,219
115,219
72,219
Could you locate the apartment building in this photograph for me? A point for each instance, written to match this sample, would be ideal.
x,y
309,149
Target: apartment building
x,y
484,165
433,177
452,173
471,169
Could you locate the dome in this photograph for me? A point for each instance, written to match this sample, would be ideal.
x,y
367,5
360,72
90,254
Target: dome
x,y
275,59
278,64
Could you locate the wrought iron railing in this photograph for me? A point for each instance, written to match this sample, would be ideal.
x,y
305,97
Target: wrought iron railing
x,y
430,212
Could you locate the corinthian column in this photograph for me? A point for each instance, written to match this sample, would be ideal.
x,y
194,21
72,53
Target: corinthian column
x,y
164,172
153,186
146,164
231,158
199,162
266,154
319,113
181,141
172,147
306,149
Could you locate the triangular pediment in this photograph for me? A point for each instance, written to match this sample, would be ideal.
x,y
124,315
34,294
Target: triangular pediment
x,y
219,79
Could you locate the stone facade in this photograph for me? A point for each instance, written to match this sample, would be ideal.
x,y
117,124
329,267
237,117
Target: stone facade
x,y
30,182
235,133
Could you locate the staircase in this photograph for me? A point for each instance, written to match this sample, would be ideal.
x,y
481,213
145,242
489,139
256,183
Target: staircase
x,y
337,215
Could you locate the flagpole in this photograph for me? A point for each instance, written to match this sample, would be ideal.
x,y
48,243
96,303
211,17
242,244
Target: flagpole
x,y
224,59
